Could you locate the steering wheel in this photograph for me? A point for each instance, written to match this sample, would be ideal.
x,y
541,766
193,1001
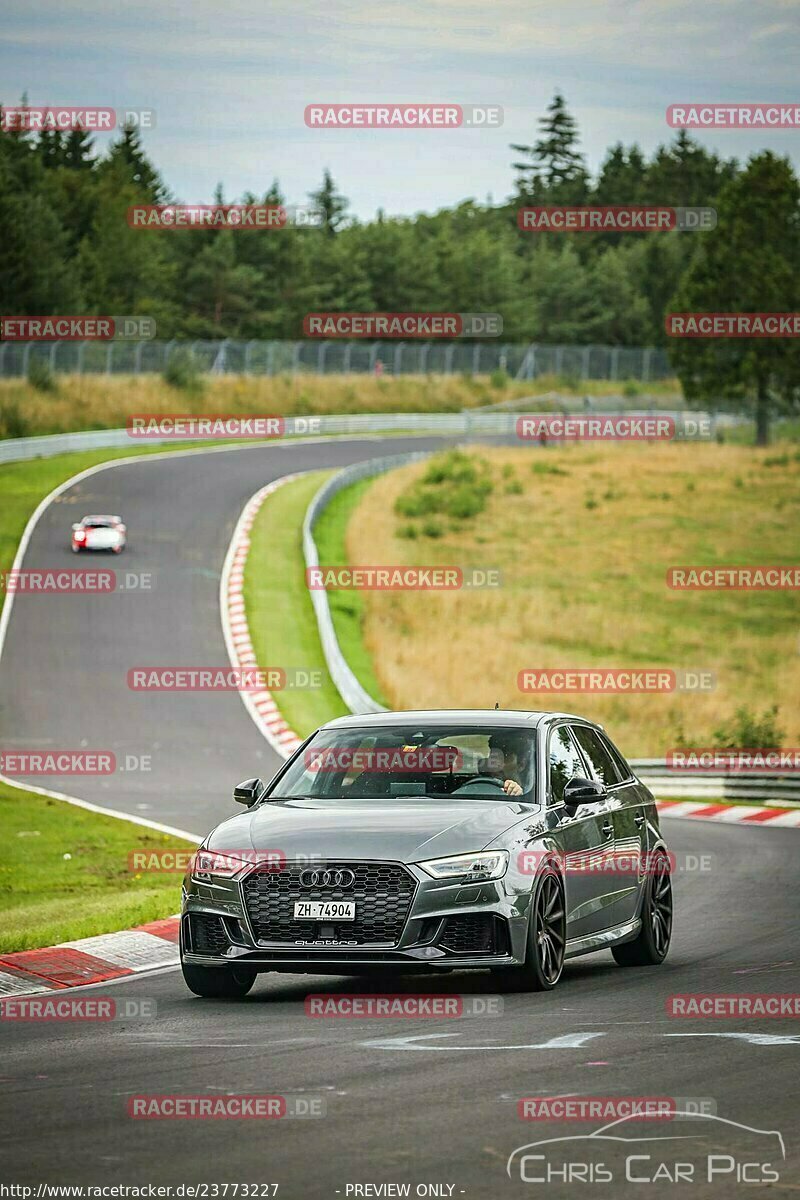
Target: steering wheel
x,y
478,784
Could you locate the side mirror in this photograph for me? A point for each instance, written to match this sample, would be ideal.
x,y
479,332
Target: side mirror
x,y
77,526
583,791
248,792
122,528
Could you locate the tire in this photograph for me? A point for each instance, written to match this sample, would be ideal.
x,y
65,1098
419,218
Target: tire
x,y
218,983
76,550
651,946
547,940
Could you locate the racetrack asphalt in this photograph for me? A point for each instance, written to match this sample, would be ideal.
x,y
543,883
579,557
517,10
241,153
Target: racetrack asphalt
x,y
421,1102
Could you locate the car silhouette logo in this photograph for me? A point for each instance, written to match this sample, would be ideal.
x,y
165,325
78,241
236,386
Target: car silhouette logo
x,y
338,877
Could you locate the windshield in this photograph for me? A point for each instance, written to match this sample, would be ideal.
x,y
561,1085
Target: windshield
x,y
434,761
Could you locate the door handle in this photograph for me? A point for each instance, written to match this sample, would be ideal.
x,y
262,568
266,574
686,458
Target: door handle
x,y
639,820
608,830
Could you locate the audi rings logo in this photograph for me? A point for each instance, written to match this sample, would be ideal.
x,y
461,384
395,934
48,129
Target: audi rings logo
x,y
334,878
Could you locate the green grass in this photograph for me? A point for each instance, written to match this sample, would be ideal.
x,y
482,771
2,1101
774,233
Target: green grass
x,y
347,607
47,898
283,628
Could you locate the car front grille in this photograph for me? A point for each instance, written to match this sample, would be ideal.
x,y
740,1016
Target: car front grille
x,y
469,933
382,893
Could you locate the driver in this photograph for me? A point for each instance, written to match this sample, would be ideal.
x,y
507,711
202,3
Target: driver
x,y
507,760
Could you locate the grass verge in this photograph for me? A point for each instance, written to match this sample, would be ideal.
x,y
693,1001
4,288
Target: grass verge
x,y
583,536
347,607
280,615
64,873
104,402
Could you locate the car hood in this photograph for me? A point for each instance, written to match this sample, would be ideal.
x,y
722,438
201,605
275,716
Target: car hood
x,y
409,831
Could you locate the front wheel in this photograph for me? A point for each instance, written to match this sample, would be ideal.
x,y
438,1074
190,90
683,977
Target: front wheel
x,y
218,983
652,944
547,939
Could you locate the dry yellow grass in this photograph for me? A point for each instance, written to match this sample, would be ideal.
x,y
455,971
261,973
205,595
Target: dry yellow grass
x,y
584,557
104,401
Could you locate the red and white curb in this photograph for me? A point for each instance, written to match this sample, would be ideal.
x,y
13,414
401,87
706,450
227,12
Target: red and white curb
x,y
261,705
91,960
730,814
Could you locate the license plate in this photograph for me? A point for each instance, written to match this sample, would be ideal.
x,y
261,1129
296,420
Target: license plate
x,y
325,910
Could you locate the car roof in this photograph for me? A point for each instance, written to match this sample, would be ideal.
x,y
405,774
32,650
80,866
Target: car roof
x,y
493,717
100,517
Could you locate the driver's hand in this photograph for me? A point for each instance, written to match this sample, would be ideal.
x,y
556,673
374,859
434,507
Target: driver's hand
x,y
511,788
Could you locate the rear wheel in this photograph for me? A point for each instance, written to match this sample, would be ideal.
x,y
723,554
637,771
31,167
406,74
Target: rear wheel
x,y
547,940
218,983
652,944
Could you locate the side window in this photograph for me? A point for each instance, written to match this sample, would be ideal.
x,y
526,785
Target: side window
x,y
619,762
564,762
600,761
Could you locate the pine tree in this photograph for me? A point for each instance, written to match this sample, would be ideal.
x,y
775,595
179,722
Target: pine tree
x,y
129,153
555,165
331,204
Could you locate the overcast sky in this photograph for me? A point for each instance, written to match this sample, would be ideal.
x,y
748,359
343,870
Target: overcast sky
x,y
230,79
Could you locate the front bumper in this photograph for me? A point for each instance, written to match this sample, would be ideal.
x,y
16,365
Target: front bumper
x,y
448,926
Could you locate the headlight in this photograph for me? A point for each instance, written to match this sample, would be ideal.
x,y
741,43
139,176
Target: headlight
x,y
488,864
213,864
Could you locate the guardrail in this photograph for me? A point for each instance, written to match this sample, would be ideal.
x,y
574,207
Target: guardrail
x,y
716,785
357,699
467,424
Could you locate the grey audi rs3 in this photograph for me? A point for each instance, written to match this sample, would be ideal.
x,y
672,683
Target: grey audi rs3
x,y
433,841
